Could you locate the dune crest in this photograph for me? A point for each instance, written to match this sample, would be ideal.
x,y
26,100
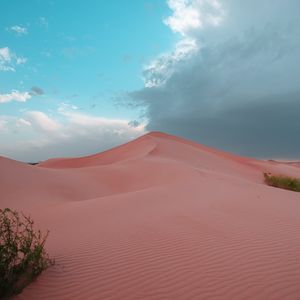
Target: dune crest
x,y
160,218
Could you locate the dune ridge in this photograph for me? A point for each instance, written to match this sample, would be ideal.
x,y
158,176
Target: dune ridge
x,y
160,218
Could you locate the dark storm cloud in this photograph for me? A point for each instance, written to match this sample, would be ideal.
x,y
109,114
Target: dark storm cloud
x,y
241,91
134,123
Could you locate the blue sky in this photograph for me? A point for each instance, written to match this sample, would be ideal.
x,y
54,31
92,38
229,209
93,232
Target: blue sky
x,y
68,61
81,52
79,77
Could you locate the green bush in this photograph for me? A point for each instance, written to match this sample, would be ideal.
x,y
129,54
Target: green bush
x,y
283,182
22,252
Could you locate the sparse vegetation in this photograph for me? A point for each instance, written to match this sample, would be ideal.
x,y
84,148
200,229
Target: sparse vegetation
x,y
283,182
22,252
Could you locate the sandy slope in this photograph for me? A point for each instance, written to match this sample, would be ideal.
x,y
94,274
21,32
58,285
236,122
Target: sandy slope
x,y
160,218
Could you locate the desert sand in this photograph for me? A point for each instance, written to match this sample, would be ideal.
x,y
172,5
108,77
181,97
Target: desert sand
x,y
160,218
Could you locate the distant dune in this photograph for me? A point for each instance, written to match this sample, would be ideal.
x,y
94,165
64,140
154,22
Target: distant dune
x,y
160,218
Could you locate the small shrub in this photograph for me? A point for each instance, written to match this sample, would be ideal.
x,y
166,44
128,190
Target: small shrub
x,y
283,182
22,252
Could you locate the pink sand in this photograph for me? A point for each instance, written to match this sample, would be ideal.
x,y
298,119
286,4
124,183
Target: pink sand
x,y
160,218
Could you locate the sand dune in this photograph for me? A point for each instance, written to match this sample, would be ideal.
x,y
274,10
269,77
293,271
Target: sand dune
x,y
160,218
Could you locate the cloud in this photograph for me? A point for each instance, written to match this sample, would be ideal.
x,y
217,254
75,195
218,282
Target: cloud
x,y
15,96
43,22
74,52
5,60
41,122
37,136
239,89
134,123
20,60
8,60
5,54
2,125
190,15
19,30
21,122
159,70
18,96
37,91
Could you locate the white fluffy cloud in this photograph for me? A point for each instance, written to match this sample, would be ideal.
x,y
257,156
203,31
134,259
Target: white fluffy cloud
x,y
8,60
38,136
15,96
190,15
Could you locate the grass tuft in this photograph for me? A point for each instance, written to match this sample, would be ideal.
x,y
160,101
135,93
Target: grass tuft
x,y
22,252
283,182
